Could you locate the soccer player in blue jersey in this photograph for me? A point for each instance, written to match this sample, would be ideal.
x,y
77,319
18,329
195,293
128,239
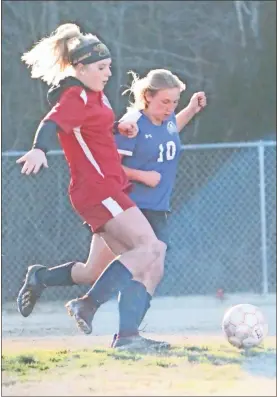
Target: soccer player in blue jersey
x,y
150,159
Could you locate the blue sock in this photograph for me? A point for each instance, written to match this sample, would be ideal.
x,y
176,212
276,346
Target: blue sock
x,y
132,303
56,276
116,277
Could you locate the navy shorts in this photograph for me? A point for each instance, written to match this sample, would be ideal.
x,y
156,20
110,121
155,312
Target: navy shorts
x,y
159,222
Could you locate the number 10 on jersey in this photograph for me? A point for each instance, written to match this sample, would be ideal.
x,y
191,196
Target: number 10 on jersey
x,y
167,151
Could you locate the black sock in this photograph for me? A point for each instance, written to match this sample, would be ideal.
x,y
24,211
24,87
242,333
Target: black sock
x,y
56,276
146,307
131,308
114,278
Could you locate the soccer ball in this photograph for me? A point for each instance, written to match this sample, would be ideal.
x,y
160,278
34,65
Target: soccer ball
x,y
244,326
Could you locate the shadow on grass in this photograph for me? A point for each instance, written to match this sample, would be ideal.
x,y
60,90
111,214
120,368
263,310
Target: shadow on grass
x,y
256,360
261,364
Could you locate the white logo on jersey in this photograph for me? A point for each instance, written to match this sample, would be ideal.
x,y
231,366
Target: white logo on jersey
x,y
171,127
106,101
148,136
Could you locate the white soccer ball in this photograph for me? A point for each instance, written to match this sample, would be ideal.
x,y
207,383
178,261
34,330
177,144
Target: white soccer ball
x,y
244,326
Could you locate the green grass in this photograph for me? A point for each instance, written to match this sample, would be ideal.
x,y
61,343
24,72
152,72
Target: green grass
x,y
210,366
39,361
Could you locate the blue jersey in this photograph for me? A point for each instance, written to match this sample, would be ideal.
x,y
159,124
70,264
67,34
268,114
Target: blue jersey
x,y
155,148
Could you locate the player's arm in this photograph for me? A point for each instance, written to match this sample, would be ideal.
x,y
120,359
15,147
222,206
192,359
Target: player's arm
x,y
126,147
46,132
184,117
66,115
69,113
149,178
197,102
127,125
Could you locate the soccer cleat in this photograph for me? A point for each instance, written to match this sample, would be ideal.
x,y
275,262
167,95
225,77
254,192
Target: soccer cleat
x,y
138,343
83,311
30,292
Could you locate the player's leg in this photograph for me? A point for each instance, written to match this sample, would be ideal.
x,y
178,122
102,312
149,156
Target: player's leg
x,y
129,227
131,310
158,221
133,303
100,255
39,277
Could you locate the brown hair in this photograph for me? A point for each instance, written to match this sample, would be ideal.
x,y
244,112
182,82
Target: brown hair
x,y
49,58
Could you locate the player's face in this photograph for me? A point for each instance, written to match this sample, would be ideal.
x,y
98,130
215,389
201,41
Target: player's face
x,y
96,75
162,104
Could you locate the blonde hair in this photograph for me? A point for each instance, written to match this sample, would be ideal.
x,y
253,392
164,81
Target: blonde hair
x,y
49,58
154,81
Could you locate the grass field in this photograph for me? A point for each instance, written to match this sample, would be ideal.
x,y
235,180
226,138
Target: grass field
x,y
45,355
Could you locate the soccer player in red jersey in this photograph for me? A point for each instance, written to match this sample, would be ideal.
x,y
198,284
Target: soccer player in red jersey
x,y
78,66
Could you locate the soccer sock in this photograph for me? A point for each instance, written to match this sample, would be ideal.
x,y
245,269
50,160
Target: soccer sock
x,y
56,276
131,308
146,307
113,279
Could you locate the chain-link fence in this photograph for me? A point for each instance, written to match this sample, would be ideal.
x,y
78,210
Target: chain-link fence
x,y
223,222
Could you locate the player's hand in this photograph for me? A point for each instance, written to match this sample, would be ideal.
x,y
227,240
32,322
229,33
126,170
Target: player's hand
x,y
33,161
198,101
128,128
151,178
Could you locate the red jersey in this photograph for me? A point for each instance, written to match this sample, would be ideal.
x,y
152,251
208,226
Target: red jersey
x,y
86,135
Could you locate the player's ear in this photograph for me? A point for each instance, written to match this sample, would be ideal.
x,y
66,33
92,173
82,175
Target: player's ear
x,y
80,68
148,96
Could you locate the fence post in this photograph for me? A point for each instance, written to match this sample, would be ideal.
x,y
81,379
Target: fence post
x,y
263,218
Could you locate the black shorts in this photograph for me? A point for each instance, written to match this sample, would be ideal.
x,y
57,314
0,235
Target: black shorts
x,y
159,222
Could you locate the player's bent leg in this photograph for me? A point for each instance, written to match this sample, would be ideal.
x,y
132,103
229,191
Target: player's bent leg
x,y
129,227
155,274
100,256
134,301
133,229
127,302
39,277
149,279
158,221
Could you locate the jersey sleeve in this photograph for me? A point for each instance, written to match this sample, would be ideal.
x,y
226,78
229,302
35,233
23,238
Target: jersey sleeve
x,y
70,111
125,145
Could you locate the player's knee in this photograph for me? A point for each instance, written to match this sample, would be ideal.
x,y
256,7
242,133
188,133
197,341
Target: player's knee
x,y
151,246
158,265
156,250
90,277
157,271
91,272
159,248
